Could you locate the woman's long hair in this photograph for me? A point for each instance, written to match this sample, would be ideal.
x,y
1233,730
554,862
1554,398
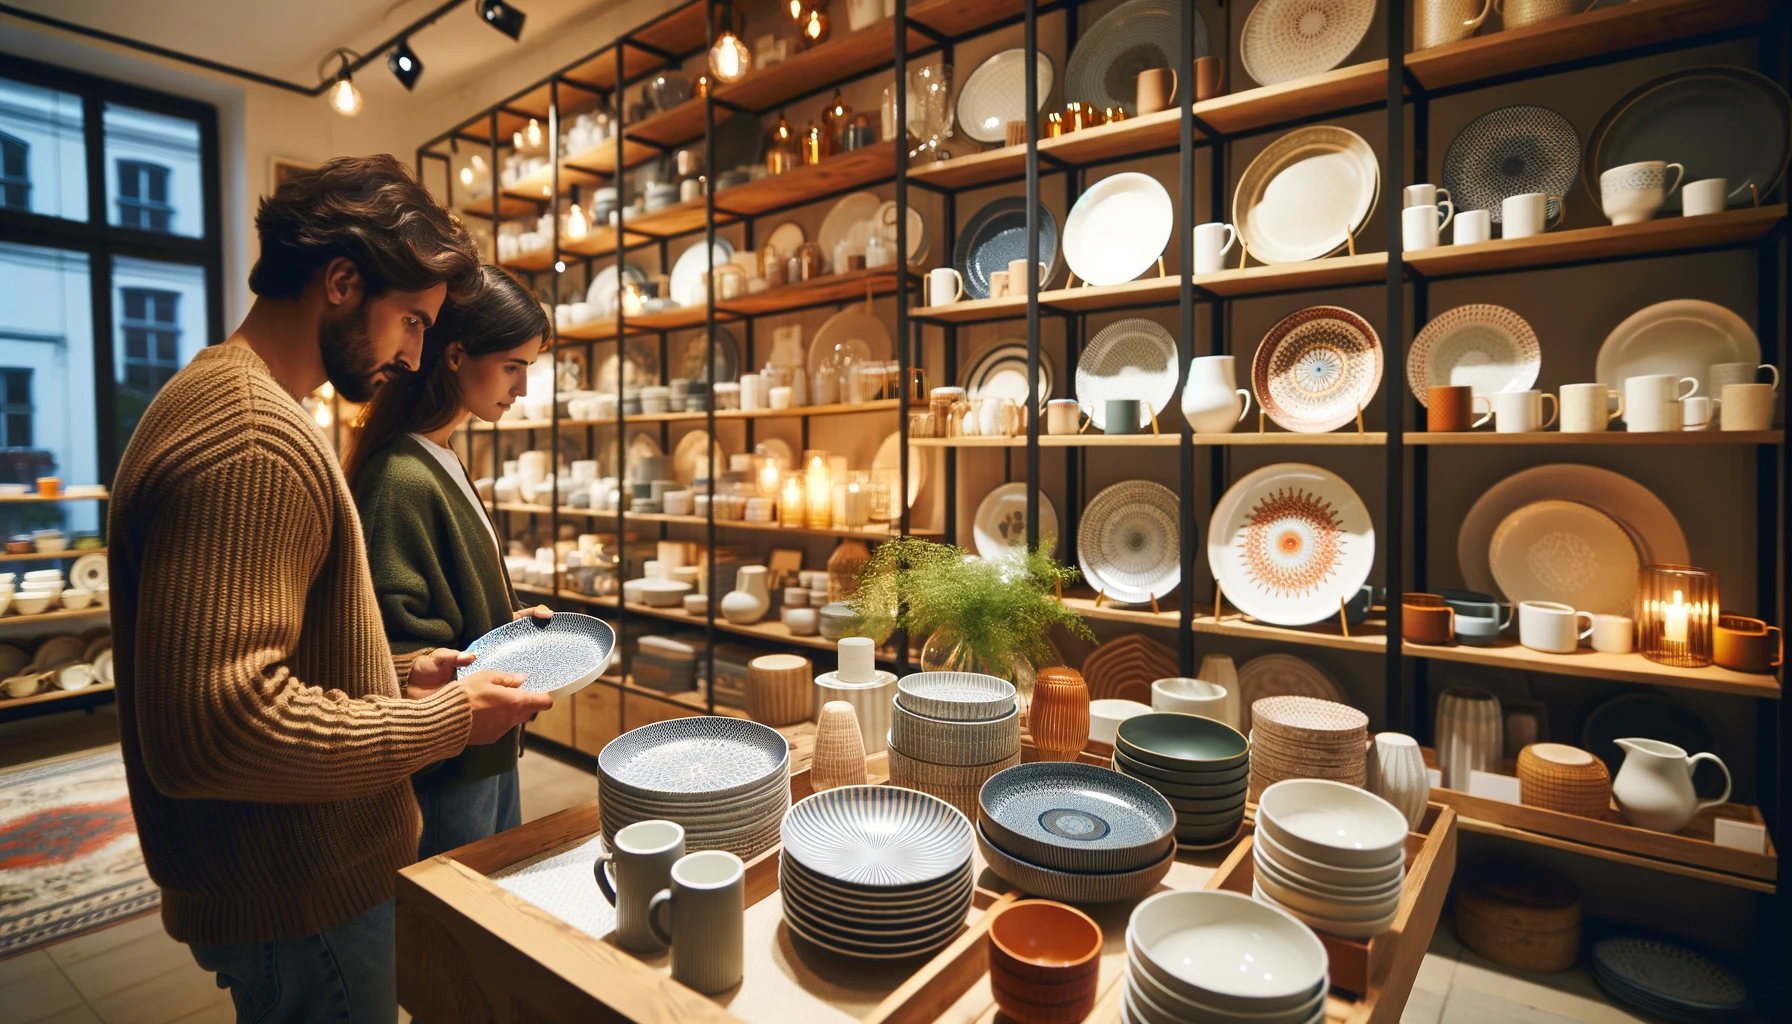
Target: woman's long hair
x,y
500,316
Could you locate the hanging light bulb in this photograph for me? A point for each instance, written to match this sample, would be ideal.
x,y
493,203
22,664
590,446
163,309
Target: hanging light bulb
x,y
534,134
576,224
323,415
327,391
516,140
729,58
341,94
813,28
466,176
795,8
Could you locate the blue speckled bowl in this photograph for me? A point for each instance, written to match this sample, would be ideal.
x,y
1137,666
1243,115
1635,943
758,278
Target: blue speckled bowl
x,y
1075,817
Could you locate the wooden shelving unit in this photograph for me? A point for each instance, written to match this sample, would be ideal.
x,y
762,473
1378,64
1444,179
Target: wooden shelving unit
x,y
12,617
835,409
27,499
52,696
39,556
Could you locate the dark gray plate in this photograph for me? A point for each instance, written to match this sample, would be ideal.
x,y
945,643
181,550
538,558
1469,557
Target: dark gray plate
x,y
1717,122
1133,37
1512,151
1075,817
997,235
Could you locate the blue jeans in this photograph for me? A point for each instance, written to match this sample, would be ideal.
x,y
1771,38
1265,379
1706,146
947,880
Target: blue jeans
x,y
347,973
459,813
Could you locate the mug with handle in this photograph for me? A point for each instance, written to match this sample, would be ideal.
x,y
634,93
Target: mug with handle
x,y
1156,90
702,917
1747,407
1521,412
944,281
1522,216
1588,408
1426,194
641,856
1551,627
1210,250
1652,401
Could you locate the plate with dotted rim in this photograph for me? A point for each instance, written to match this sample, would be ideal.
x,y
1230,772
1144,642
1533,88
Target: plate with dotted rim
x,y
1317,369
706,756
561,655
1132,358
878,837
1482,346
1128,542
1137,35
1076,817
1512,151
1284,40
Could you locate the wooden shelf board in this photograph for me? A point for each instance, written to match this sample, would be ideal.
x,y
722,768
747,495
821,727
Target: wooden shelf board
x,y
509,207
854,284
841,57
600,329
13,618
1138,615
1368,637
801,412
601,158
1055,441
52,695
1610,437
721,524
958,17
539,185
680,218
1520,835
680,31
39,556
1629,668
27,499
811,181
533,262
1611,241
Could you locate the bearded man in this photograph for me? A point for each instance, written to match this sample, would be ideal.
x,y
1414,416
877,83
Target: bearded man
x,y
269,736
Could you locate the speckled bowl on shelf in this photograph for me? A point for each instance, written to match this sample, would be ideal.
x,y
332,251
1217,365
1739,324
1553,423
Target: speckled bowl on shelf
x,y
1076,817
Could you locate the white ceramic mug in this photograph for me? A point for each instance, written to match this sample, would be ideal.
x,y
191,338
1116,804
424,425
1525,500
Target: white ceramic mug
x,y
944,286
998,284
1652,401
1525,215
1747,406
1721,375
1418,228
1697,412
1631,193
1062,416
1426,194
1521,412
1587,408
1550,627
1189,696
702,916
1212,242
1708,195
642,856
1473,226
1614,634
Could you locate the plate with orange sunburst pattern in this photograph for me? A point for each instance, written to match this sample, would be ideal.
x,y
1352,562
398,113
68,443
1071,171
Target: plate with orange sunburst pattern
x,y
1288,542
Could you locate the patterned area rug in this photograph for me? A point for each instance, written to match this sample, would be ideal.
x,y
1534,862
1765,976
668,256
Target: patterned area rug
x,y
69,860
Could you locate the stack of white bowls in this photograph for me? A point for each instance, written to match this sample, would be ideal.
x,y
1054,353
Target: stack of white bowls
x,y
725,780
951,731
1330,854
1211,956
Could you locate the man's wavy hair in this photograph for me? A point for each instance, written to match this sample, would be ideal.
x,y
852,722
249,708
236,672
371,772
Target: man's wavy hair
x,y
371,210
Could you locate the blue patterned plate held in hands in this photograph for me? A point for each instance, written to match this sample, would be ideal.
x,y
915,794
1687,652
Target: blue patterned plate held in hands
x,y
561,655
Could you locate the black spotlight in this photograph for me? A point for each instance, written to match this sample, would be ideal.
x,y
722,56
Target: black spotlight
x,y
404,64
502,16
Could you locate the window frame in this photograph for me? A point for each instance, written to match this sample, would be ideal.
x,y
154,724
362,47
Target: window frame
x,y
143,207
23,179
8,408
102,241
153,329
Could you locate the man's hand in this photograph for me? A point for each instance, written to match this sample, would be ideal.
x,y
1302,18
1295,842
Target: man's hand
x,y
498,705
540,611
430,671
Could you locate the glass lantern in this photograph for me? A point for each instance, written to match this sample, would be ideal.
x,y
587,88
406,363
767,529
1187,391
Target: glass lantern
x,y
1677,606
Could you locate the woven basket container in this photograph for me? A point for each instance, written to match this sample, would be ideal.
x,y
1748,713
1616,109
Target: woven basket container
x,y
780,689
1519,914
1561,778
958,785
1529,951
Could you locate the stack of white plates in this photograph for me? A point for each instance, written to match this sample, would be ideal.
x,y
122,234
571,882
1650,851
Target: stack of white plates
x,y
1330,854
726,780
951,731
1200,956
875,872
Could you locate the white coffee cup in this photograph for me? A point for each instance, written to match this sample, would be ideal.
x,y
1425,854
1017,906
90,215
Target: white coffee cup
x,y
1189,696
642,856
1719,375
1651,401
1520,412
1614,634
944,286
1473,226
1418,228
1587,408
1062,416
1747,406
1708,195
1212,242
1550,627
1631,193
1426,194
702,916
1697,412
1525,215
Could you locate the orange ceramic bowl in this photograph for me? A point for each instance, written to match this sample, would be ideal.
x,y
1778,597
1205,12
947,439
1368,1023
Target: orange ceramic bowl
x,y
1044,941
1072,1000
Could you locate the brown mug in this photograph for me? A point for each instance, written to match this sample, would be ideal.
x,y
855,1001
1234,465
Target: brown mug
x,y
1015,133
1452,407
1157,90
1210,78
1744,644
1426,619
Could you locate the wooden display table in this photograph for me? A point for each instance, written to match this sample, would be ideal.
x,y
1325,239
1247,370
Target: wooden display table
x,y
477,941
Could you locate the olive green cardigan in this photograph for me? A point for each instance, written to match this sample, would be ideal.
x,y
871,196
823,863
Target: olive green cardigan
x,y
436,574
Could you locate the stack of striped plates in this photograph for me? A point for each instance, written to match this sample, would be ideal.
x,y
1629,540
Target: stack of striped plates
x,y
726,780
1306,738
951,731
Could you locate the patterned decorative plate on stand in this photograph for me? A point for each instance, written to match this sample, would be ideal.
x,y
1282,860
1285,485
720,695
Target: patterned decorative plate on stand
x,y
1306,195
1000,526
1317,369
996,93
1118,228
1128,359
1486,347
1288,542
1137,35
1279,675
1128,544
1566,552
1288,39
1001,372
997,235
1512,151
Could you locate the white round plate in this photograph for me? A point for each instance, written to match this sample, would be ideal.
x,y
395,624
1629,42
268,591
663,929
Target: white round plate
x,y
1288,39
688,271
1651,525
1565,552
1001,372
843,223
1128,542
602,292
14,660
1305,195
1283,675
854,333
561,655
1288,542
1000,527
887,459
688,449
1118,228
1683,337
1129,359
786,238
89,571
1480,345
996,93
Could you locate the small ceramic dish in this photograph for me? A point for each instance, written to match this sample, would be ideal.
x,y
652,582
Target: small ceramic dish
x,y
1076,817
76,598
1208,837
1180,742
27,603
663,593
955,696
1332,823
1064,1002
1043,941
1210,819
1340,927
1227,951
1189,809
1327,907
1162,1006
1267,867
1189,696
1073,886
954,741
1105,716
1178,791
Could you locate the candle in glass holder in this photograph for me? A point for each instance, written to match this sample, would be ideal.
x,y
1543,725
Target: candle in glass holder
x,y
819,484
790,503
1677,608
857,506
768,475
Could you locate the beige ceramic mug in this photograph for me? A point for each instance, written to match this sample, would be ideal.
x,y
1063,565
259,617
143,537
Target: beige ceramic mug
x,y
998,284
1017,277
1519,13
1436,22
1588,408
1157,90
1747,407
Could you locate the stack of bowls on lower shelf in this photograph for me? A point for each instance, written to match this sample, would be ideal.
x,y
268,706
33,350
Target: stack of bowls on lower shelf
x,y
951,731
875,872
1075,832
1330,854
727,781
1307,738
1044,962
1211,956
1198,764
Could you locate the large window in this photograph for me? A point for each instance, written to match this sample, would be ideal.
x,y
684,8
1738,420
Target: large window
x,y
143,196
15,407
15,180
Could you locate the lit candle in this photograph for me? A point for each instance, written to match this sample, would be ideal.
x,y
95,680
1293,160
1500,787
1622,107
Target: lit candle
x,y
1673,626
821,494
768,477
857,506
790,505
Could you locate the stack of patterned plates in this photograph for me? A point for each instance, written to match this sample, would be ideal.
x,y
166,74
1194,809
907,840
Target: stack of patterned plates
x,y
1075,832
1332,855
726,780
875,872
1306,738
951,731
1198,764
1668,980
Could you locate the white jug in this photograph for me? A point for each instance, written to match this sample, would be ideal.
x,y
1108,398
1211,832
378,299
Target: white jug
x,y
1212,401
1654,785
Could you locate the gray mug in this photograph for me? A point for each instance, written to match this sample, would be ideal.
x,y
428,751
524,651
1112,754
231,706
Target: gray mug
x,y
642,856
1122,416
702,916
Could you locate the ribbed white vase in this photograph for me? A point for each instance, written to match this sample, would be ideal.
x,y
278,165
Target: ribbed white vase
x,y
1396,773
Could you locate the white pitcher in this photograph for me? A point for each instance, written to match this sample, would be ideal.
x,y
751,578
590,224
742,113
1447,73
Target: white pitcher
x,y
1654,785
1212,401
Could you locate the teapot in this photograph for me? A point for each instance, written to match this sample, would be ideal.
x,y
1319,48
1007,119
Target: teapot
x,y
1654,785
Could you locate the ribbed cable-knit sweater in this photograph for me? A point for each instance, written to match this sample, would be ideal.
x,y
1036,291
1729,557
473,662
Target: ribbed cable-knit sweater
x,y
266,742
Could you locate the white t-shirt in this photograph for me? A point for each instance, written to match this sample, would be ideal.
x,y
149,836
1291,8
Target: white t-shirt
x,y
458,473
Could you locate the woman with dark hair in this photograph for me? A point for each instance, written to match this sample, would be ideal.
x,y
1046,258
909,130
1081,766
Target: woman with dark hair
x,y
438,568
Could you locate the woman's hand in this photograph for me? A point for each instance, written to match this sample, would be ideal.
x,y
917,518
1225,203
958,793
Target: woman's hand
x,y
540,611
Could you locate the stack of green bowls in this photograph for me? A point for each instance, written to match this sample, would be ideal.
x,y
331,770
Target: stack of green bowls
x,y
1202,767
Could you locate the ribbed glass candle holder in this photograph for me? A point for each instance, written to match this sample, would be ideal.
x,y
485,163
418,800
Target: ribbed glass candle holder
x,y
1676,608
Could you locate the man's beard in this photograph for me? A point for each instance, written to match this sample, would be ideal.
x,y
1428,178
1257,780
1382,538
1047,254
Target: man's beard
x,y
348,358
